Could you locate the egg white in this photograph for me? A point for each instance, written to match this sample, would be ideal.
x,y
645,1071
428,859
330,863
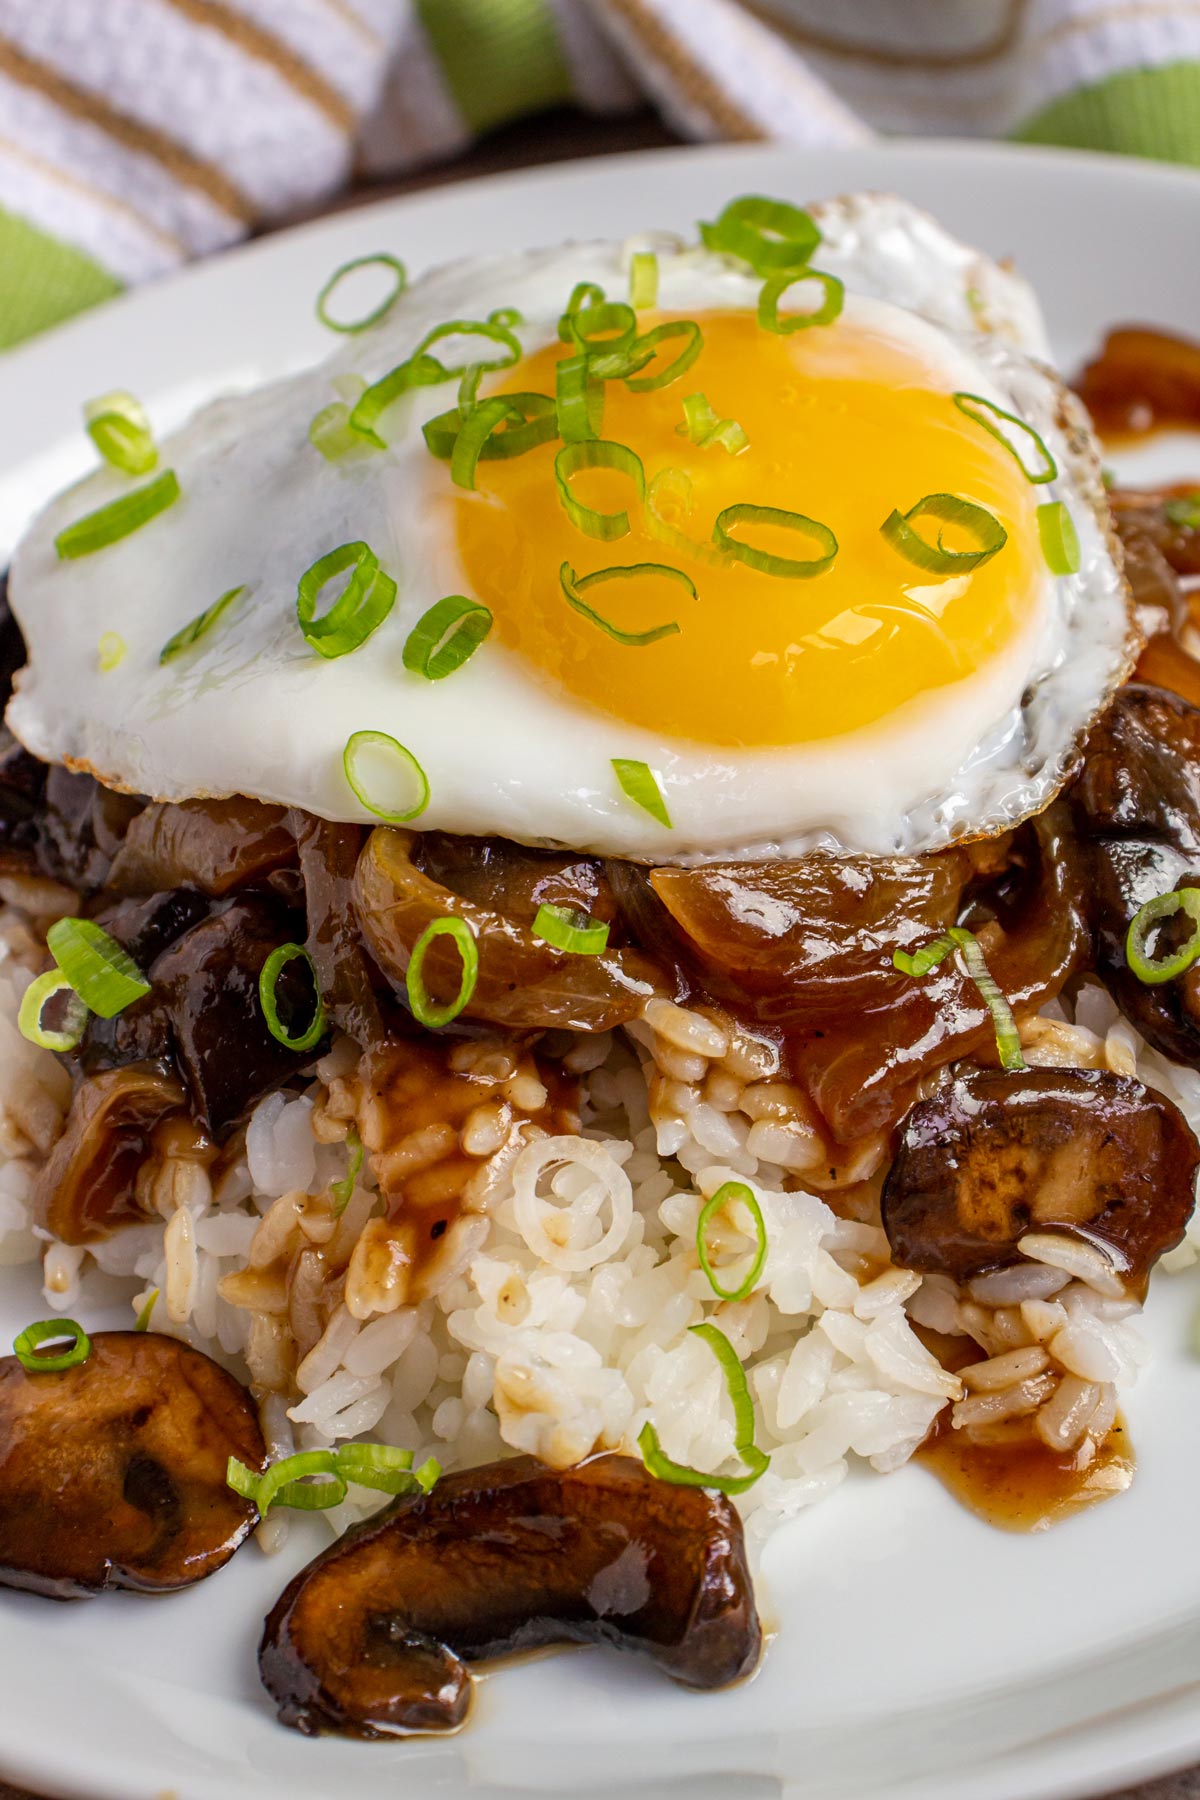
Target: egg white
x,y
252,709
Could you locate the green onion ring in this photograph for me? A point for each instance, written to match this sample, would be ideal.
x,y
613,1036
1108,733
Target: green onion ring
x,y
108,524
34,1001
768,234
285,1483
648,343
678,483
331,433
567,928
1151,970
1183,511
773,292
1008,1040
756,1462
984,412
508,316
597,453
498,334
950,510
575,586
705,429
538,427
786,568
142,1322
268,978
643,279
446,636
477,428
584,293
422,1006
636,781
358,744
103,974
200,626
111,652
381,258
609,326
45,1331
118,426
343,1190
416,371
726,1195
1059,538
578,400
361,607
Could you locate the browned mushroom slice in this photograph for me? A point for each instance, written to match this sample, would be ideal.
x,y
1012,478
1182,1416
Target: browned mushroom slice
x,y
88,1189
112,1473
372,1638
1082,1152
213,845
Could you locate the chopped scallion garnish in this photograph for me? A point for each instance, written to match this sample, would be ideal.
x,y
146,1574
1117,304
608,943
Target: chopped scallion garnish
x,y
566,928
108,524
770,318
597,453
1151,969
51,1331
785,567
584,293
948,509
332,434
446,636
529,421
111,652
423,1008
479,425
755,1460
508,316
290,1482
575,586
200,626
118,426
343,1190
768,234
103,974
384,777
920,962
1016,436
37,996
643,279
705,429
578,400
1059,538
646,346
637,781
363,604
415,371
730,1194
268,980
607,327
146,1312
1183,511
380,259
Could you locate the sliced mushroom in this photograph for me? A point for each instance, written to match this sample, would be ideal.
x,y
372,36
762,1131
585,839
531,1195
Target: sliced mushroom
x,y
523,982
213,845
88,1188
372,1639
328,854
1081,1152
112,1473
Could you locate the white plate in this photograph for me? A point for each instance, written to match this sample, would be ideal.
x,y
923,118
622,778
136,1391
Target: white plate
x,y
919,1655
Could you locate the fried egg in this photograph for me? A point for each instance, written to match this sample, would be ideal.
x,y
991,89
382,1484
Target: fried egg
x,y
871,706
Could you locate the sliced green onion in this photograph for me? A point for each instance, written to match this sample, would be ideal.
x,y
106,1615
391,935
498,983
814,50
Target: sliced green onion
x,y
485,328
1152,970
535,424
332,434
398,762
1060,540
643,279
111,651
646,346
142,1322
268,977
105,976
200,626
386,1468
416,371
478,426
1008,1041
705,429
33,1003
597,453
768,234
508,316
381,259
446,636
578,400
834,292
584,293
343,1189
785,567
423,1008
118,426
608,326
637,782
288,1482
575,586
1184,511
1020,437
950,510
755,1460
363,604
730,1193
672,488
566,928
468,388
108,524
48,1331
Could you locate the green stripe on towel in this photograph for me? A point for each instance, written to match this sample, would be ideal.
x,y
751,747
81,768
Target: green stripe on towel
x,y
43,280
1142,112
500,58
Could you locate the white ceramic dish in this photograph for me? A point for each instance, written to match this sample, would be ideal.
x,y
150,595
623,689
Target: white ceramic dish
x,y
919,1655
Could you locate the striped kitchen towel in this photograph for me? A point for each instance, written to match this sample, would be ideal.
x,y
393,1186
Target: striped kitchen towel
x,y
135,134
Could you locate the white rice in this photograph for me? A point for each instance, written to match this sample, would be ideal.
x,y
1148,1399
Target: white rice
x,y
556,1318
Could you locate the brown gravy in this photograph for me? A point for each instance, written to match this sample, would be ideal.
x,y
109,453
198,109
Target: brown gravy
x,y
1019,1484
1143,380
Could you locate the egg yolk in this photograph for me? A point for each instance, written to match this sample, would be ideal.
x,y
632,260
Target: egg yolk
x,y
844,425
